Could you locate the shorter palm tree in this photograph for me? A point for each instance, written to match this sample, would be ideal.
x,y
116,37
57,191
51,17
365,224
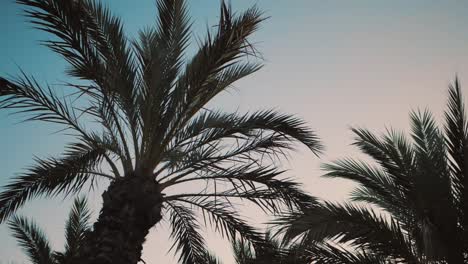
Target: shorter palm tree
x,y
420,188
36,245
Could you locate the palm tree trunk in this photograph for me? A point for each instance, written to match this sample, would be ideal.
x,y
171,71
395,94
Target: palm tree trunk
x,y
131,206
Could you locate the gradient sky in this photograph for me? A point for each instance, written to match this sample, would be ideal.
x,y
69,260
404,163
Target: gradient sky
x,y
337,64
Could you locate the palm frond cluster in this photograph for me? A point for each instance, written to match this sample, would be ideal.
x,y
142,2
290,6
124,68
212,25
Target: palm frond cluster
x,y
275,253
417,188
35,243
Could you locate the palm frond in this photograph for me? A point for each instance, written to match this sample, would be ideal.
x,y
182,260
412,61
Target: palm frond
x,y
32,240
393,153
327,253
91,40
25,96
433,188
185,232
375,185
218,53
271,253
173,27
248,179
199,83
214,139
347,224
75,228
121,70
212,126
456,132
219,215
160,52
50,177
71,23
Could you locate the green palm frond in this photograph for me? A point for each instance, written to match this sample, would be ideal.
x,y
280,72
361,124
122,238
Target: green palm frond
x,y
76,227
433,182
393,153
456,131
199,82
91,40
347,224
25,96
332,254
273,252
160,52
220,216
375,182
51,177
201,144
185,232
418,184
260,185
36,245
212,126
32,240
218,55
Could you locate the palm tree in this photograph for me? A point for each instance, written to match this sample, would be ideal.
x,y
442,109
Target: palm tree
x,y
419,190
154,130
36,245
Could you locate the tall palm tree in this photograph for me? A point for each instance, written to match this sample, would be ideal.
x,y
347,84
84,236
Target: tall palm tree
x,y
154,130
36,245
419,189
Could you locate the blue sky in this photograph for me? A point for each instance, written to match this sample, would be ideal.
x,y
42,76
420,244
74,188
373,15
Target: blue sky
x,y
335,63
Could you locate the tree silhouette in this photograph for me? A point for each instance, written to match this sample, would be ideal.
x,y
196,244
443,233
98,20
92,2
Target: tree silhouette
x,y
36,245
153,128
421,186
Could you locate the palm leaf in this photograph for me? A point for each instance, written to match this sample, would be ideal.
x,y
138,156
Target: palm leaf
x,y
185,232
75,229
32,240
248,179
433,189
456,131
50,177
348,224
331,254
223,219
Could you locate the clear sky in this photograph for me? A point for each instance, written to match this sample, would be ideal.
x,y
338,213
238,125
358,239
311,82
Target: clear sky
x,y
335,63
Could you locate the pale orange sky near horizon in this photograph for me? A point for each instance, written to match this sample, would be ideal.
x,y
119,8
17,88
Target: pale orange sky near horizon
x,y
336,64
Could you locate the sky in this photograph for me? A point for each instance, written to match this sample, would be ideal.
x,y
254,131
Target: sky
x,y
336,64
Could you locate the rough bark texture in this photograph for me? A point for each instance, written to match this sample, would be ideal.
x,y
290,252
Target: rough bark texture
x,y
131,206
